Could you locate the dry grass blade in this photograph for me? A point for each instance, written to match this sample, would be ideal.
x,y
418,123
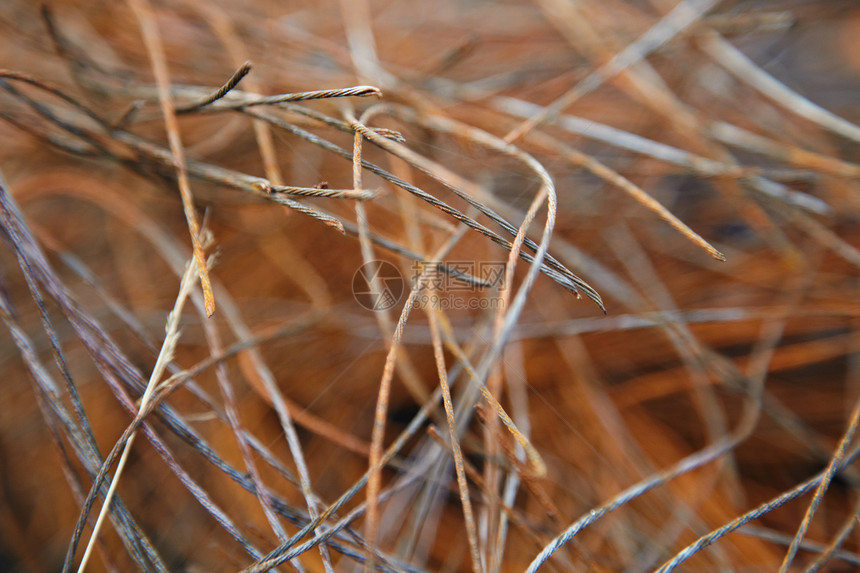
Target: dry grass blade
x,y
377,437
165,355
359,194
355,91
821,489
228,86
457,184
152,39
597,168
705,166
732,59
465,500
771,505
681,17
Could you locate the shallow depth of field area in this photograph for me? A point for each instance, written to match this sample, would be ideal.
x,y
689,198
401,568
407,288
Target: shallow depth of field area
x,y
355,285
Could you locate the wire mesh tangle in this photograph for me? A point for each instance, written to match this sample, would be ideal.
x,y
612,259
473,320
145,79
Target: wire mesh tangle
x,y
536,285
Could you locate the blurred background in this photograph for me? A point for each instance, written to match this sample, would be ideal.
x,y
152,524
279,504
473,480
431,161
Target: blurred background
x,y
706,420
